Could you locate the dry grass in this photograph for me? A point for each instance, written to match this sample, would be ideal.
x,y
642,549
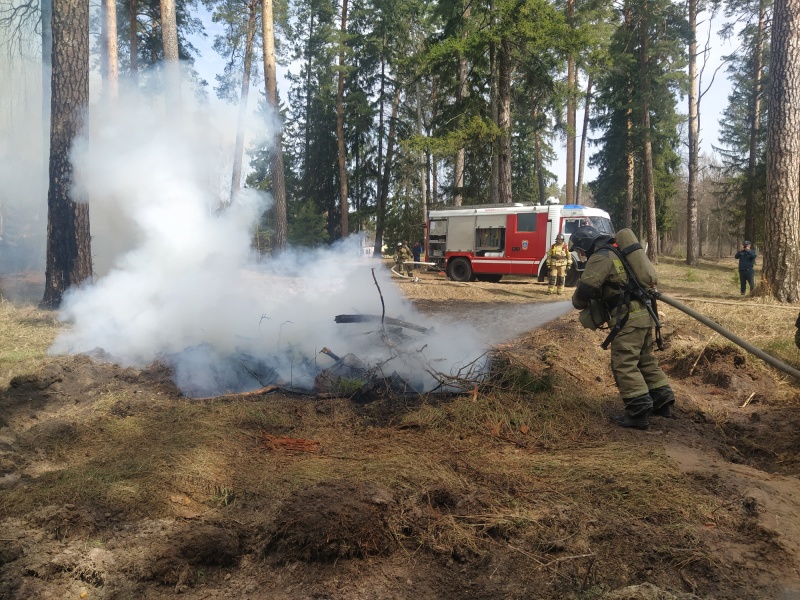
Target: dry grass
x,y
528,455
25,336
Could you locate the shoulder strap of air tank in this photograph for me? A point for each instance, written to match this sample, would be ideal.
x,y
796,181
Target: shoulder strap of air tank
x,y
632,248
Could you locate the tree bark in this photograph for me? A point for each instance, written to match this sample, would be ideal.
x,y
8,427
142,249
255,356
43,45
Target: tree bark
x,y
504,121
340,128
238,149
271,89
781,276
111,59
69,256
694,143
169,39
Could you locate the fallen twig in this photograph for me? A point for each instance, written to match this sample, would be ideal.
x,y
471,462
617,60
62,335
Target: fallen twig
x,y
713,335
746,402
380,293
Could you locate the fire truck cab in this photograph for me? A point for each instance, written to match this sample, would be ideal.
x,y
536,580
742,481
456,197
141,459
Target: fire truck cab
x,y
487,241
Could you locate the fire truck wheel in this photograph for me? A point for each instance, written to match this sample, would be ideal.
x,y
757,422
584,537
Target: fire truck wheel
x,y
573,275
459,269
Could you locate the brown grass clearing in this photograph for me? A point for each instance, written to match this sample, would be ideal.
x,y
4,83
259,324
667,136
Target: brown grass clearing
x,y
518,485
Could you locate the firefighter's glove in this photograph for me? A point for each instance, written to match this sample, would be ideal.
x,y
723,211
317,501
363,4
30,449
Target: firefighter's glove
x,y
583,293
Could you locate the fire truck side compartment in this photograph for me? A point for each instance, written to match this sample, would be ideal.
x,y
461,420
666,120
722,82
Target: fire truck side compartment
x,y
461,234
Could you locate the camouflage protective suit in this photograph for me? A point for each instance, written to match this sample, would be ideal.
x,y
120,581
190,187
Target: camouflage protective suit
x,y
558,260
641,382
403,254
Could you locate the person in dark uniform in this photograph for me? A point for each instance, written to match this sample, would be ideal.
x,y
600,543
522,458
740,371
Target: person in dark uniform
x,y
644,388
747,260
797,332
416,251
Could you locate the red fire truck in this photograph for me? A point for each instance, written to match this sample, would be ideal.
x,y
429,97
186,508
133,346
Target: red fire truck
x,y
487,241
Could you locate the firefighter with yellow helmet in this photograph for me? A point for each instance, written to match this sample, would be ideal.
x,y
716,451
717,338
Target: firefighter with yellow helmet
x,y
559,260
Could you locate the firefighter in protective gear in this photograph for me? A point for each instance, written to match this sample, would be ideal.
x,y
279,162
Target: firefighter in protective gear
x,y
402,255
559,260
644,388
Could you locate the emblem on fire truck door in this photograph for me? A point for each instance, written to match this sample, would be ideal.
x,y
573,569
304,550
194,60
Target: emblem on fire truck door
x,y
524,244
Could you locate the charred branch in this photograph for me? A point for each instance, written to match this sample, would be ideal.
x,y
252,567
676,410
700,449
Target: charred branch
x,y
376,318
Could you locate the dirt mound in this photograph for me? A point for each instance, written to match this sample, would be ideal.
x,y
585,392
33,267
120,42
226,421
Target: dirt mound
x,y
65,522
201,546
330,521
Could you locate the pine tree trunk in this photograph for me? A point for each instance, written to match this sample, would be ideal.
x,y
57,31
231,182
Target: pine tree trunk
x,y
47,74
584,133
647,143
782,255
755,126
69,256
504,121
238,149
630,164
112,60
340,129
572,77
378,249
537,158
694,131
493,183
271,88
134,41
383,191
169,37
463,92
423,176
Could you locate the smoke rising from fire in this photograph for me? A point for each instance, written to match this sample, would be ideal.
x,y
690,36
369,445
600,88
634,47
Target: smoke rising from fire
x,y
178,280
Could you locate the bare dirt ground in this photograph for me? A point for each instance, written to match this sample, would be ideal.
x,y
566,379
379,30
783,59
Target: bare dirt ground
x,y
114,485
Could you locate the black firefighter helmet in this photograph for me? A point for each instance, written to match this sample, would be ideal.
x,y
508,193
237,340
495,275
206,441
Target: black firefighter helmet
x,y
586,238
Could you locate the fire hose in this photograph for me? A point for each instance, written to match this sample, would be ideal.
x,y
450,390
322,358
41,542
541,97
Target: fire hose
x,y
771,360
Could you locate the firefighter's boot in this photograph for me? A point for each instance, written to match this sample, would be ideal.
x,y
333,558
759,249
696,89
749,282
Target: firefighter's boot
x,y
663,400
560,284
636,412
551,284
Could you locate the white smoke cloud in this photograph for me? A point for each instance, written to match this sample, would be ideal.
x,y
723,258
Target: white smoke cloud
x,y
178,280
23,165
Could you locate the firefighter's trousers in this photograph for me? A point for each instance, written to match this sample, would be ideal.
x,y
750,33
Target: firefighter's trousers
x,y
400,266
633,363
558,273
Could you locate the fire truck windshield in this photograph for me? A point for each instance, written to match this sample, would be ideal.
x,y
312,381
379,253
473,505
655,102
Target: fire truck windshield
x,y
602,225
